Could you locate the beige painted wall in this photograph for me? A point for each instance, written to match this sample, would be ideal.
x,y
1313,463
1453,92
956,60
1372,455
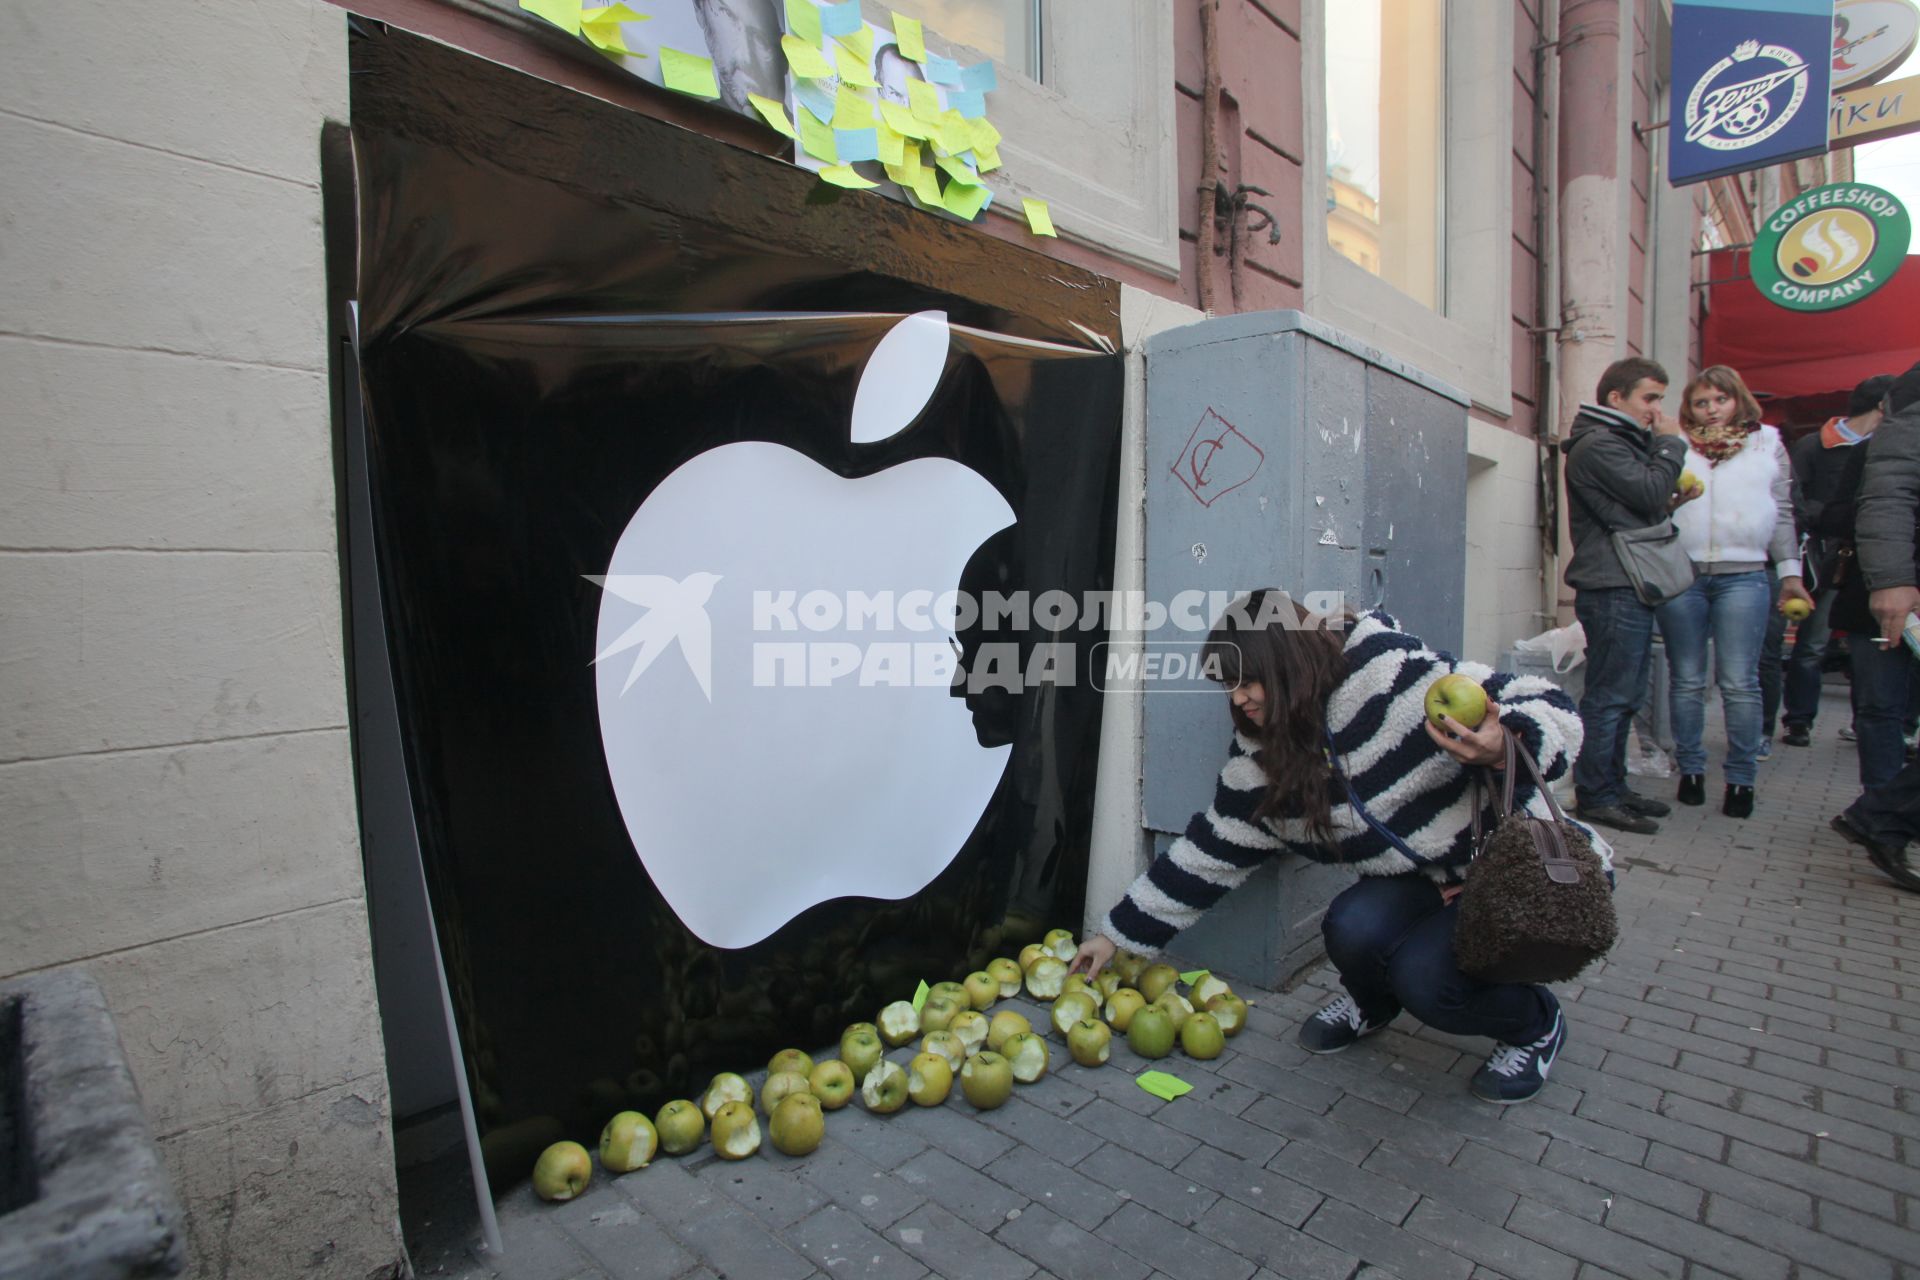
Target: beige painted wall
x,y
176,803
1503,542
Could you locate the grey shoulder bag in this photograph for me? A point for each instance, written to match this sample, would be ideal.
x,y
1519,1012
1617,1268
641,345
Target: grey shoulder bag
x,y
1652,558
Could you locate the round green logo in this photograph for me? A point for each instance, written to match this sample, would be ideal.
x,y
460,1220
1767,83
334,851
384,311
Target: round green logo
x,y
1830,247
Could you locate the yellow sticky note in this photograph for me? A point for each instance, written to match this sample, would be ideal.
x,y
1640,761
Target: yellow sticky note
x,y
893,146
986,159
963,200
903,121
955,128
860,43
852,68
842,175
957,170
927,187
924,99
688,73
803,20
907,171
1162,1085
773,113
806,61
816,139
612,13
984,135
851,111
607,39
564,14
920,996
910,37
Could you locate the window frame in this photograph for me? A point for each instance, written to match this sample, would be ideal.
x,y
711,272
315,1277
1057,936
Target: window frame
x,y
1468,342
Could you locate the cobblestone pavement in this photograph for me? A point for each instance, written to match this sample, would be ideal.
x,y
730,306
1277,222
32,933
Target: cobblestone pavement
x,y
1737,1100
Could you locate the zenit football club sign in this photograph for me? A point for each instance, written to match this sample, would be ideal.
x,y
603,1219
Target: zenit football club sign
x,y
1750,85
1830,247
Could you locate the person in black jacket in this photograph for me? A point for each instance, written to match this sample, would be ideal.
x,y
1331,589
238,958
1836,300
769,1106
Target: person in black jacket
x,y
1624,456
1819,467
1886,542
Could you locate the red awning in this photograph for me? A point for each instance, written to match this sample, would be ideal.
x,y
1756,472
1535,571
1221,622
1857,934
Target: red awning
x,y
1793,354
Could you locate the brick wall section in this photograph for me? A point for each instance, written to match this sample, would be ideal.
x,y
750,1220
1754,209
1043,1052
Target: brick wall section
x,y
176,800
1261,144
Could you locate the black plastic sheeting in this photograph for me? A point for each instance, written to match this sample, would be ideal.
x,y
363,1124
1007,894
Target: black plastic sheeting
x,y
534,361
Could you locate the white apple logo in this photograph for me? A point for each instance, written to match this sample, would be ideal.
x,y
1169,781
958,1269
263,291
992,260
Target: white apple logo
x,y
749,802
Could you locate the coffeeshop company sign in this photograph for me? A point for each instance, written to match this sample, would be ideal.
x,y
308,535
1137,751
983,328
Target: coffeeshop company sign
x,y
1830,247
1750,85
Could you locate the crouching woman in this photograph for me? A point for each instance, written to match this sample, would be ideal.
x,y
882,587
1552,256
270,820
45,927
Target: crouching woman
x,y
1333,758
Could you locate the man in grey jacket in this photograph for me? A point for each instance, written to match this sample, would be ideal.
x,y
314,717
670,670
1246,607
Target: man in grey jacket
x,y
1624,456
1887,546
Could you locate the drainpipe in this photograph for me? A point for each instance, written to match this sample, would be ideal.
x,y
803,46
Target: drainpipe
x,y
1546,232
1591,243
1204,225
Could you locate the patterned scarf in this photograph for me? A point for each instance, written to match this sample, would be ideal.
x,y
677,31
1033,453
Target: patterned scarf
x,y
1717,444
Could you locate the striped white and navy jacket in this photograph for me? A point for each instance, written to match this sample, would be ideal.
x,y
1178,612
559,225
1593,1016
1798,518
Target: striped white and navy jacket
x,y
1416,790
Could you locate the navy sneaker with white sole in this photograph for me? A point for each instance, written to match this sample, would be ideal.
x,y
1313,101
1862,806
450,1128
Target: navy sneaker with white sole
x,y
1337,1026
1516,1072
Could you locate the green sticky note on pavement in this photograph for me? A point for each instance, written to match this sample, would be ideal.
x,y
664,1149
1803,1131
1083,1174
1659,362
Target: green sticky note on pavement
x,y
920,996
1162,1085
688,73
1195,975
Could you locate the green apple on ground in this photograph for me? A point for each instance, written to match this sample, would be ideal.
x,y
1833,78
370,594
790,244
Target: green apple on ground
x,y
736,1131
1201,1037
1177,1007
1029,953
797,1125
790,1060
782,1084
1206,989
1028,1054
1121,1006
726,1087
1150,1034
937,1013
1071,1008
929,1079
956,990
860,1048
1008,974
1129,965
982,989
832,1083
681,1125
899,1023
1060,944
986,1079
1230,1011
1457,696
947,1045
1090,1042
971,1026
562,1171
885,1088
628,1143
1156,979
1005,1025
1107,983
1046,976
1079,982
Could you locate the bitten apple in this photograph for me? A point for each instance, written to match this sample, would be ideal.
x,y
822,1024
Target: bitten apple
x,y
628,1143
971,1026
1008,974
1090,1042
1156,979
982,989
726,1087
899,1023
885,1088
562,1171
929,1078
1029,1056
1005,1025
736,1131
1069,1009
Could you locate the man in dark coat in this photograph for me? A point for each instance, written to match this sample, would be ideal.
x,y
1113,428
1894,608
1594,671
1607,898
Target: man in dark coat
x,y
1886,817
1624,456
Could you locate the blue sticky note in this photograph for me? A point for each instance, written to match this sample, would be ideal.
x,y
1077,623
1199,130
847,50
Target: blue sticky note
x,y
943,70
980,77
840,19
814,98
968,103
857,144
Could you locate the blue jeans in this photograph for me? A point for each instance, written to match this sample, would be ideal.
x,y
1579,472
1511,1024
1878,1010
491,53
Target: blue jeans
x,y
1619,642
1801,679
1882,677
1731,610
1391,938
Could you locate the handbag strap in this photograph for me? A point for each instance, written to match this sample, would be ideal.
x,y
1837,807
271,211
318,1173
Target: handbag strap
x,y
1378,827
1549,838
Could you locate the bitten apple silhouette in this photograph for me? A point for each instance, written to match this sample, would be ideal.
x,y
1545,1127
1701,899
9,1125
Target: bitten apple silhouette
x,y
863,782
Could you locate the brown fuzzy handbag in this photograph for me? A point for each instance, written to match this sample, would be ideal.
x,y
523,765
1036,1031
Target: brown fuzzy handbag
x,y
1537,906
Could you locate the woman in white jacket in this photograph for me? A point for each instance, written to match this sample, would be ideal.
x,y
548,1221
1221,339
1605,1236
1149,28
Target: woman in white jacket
x,y
1742,520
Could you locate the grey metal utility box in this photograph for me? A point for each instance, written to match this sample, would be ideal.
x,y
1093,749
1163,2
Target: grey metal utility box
x,y
1283,453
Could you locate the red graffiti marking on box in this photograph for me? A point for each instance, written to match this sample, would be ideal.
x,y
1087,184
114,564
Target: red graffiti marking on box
x,y
1216,459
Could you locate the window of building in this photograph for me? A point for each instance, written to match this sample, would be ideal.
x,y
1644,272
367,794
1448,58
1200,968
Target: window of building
x,y
1007,30
1386,114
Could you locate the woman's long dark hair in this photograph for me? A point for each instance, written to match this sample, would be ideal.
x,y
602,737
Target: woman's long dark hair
x,y
1297,657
